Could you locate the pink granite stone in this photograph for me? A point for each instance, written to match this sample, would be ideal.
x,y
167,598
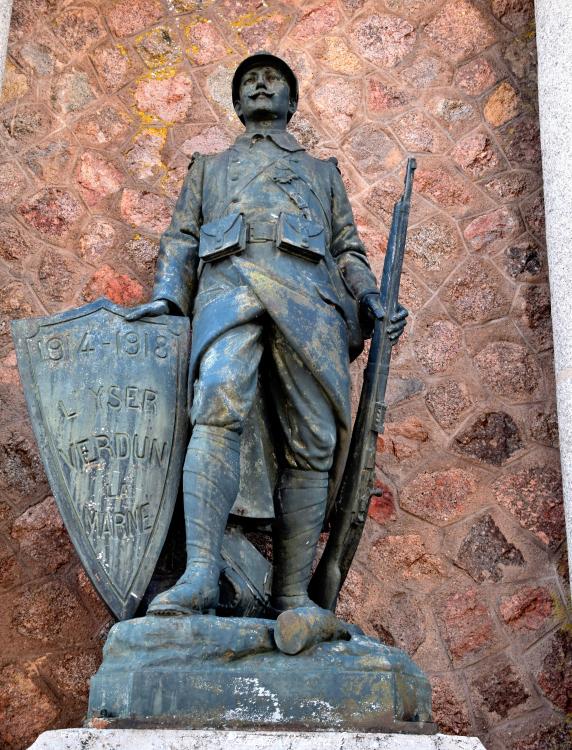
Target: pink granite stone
x,y
166,99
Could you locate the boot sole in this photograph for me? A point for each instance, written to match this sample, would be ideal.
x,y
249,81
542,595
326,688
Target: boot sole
x,y
167,611
173,602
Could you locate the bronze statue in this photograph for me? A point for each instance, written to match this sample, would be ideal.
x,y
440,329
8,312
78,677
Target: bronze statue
x,y
263,254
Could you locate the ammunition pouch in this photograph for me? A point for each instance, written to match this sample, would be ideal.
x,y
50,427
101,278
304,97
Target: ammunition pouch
x,y
293,234
300,236
222,237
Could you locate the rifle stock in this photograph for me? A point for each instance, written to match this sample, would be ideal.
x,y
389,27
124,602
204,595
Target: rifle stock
x,y
352,503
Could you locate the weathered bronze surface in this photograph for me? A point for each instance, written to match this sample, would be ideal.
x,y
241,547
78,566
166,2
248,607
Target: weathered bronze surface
x,y
193,672
263,256
347,517
298,629
107,400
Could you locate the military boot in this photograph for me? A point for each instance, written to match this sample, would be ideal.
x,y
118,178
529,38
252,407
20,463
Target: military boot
x,y
300,508
210,487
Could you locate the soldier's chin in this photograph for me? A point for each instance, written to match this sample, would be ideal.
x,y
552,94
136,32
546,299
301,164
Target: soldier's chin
x,y
264,111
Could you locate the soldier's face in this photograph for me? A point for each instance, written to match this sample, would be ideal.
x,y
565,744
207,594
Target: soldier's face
x,y
264,94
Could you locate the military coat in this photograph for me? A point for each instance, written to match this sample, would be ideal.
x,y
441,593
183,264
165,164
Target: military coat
x,y
314,304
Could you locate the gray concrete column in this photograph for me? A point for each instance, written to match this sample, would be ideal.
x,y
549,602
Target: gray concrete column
x,y
5,13
554,40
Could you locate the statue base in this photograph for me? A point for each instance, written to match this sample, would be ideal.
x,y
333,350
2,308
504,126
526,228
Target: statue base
x,y
172,739
226,673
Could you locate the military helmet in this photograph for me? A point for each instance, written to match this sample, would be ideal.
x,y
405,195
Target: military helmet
x,y
265,58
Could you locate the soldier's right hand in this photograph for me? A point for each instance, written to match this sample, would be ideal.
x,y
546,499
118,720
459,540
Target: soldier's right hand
x,y
149,310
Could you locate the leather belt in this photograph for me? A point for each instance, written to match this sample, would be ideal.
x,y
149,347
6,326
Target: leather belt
x,y
261,231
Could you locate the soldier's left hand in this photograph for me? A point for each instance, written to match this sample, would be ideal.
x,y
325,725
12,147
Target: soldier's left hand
x,y
372,304
398,321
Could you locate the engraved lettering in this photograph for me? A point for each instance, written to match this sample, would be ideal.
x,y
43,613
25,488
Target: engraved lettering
x,y
121,445
89,519
85,345
54,349
130,397
131,345
68,458
159,454
125,524
145,522
97,395
116,398
83,447
149,401
107,396
129,342
67,414
137,448
161,347
131,528
102,444
104,524
118,519
118,446
114,402
115,485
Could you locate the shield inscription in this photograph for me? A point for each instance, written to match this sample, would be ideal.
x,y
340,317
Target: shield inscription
x,y
107,402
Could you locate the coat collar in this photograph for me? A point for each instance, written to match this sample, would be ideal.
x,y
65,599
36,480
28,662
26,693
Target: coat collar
x,y
281,138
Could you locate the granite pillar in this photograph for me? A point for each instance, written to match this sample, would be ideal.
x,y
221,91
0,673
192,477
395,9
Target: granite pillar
x,y
554,32
5,14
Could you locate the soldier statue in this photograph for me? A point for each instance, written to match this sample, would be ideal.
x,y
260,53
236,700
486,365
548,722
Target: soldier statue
x,y
263,254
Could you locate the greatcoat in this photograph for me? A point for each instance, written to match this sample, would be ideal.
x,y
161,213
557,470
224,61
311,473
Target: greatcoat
x,y
312,304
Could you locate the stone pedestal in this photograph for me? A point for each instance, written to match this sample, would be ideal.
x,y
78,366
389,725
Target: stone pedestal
x,y
226,673
173,739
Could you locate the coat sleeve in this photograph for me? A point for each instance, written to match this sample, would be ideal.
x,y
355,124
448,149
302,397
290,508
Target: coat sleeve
x,y
177,262
347,248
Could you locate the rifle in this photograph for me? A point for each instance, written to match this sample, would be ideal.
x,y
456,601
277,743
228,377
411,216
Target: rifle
x,y
352,502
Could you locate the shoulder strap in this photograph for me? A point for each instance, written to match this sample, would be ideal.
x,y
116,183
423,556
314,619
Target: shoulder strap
x,y
253,177
302,177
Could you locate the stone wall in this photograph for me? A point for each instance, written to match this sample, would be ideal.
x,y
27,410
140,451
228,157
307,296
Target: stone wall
x,y
462,563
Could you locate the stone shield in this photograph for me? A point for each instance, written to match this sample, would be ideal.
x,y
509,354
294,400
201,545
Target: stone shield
x,y
107,403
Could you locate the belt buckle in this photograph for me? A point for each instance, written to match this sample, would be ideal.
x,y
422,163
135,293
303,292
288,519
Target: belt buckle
x,y
261,231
